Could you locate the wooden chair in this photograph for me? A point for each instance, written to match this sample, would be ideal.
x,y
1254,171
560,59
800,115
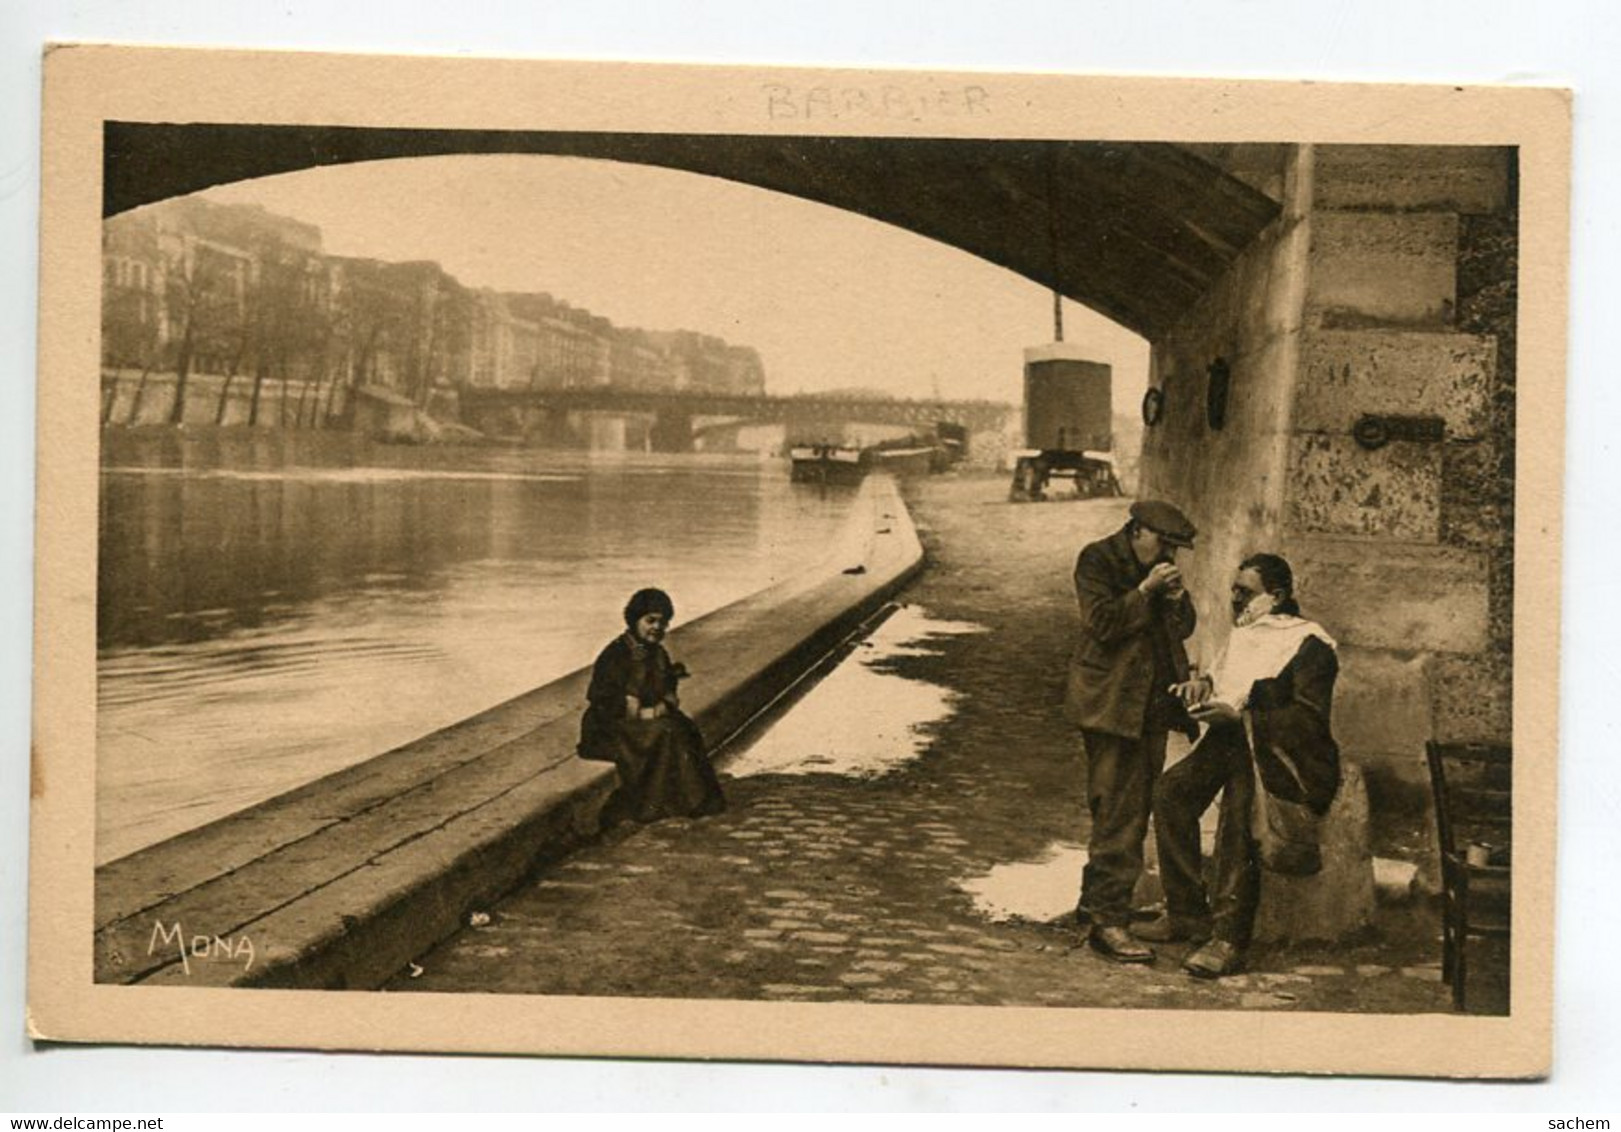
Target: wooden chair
x,y
1473,788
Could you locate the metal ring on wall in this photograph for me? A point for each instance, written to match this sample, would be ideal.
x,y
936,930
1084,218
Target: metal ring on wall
x,y
1153,406
1371,433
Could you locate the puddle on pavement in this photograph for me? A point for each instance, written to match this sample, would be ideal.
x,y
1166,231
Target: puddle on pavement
x,y
820,734
1040,890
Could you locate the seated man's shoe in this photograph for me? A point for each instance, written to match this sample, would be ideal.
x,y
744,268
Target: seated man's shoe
x,y
1117,944
1173,929
1214,960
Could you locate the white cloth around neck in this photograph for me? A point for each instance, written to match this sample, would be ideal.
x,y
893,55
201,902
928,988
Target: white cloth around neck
x,y
1260,651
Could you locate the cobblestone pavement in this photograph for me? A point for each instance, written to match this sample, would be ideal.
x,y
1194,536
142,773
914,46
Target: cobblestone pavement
x,y
822,887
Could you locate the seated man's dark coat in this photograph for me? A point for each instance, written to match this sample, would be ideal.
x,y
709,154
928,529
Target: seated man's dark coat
x,y
1295,751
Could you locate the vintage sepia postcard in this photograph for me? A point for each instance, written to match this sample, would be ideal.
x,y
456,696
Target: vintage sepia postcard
x,y
755,563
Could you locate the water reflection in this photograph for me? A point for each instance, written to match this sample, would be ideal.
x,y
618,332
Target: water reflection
x,y
269,613
822,735
1039,890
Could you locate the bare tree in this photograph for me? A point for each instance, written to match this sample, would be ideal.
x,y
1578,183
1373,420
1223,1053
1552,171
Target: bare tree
x,y
242,340
321,362
236,333
281,319
129,338
371,315
441,311
201,296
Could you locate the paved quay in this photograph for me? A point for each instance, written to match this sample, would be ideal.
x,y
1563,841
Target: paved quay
x,y
921,884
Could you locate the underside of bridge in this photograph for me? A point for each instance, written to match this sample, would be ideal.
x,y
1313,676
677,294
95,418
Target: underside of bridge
x,y
1332,333
1135,231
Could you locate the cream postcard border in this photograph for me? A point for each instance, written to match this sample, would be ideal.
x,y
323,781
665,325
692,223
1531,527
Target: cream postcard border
x,y
88,84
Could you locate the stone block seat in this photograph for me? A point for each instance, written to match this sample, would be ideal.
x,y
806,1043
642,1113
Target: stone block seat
x,y
1327,907
1337,901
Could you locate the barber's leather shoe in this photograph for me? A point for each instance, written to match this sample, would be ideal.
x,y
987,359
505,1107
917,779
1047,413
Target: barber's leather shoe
x,y
1173,929
1214,960
1116,944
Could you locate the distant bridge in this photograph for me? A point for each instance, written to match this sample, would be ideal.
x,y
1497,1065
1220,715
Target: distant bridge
x,y
675,411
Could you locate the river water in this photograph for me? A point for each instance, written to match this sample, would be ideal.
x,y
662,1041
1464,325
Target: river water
x,y
271,610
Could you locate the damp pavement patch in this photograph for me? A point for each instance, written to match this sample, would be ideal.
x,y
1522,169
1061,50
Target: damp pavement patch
x,y
1039,891
822,734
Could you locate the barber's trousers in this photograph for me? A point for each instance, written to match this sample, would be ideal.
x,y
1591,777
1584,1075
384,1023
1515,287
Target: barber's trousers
x,y
1119,794
1220,762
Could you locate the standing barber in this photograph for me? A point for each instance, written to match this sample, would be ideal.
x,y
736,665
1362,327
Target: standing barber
x,y
1135,614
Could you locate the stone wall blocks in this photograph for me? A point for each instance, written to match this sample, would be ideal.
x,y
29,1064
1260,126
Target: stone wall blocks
x,y
1337,487
1477,496
1382,699
1285,297
1462,179
1346,374
1474,697
1397,597
1376,269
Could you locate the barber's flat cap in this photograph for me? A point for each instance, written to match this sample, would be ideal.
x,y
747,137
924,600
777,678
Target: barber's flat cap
x,y
1164,520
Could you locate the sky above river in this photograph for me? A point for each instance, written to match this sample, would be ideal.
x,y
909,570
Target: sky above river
x,y
830,299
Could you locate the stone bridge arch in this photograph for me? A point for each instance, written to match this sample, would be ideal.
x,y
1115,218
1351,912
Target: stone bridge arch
x,y
1137,232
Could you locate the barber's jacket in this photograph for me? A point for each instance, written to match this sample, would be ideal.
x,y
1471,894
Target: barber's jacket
x,y
1111,673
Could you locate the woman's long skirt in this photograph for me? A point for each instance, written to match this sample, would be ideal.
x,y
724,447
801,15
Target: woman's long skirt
x,y
663,770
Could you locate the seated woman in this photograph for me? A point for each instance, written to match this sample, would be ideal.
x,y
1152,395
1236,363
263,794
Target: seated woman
x,y
634,721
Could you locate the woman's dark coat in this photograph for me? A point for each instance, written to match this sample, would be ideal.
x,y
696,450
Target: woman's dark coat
x,y
663,768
